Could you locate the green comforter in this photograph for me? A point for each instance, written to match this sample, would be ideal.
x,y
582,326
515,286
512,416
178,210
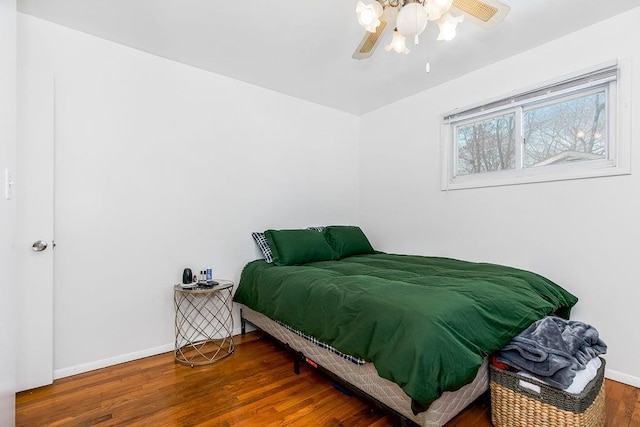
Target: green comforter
x,y
426,323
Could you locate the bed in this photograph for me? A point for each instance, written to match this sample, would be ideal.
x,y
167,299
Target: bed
x,y
424,325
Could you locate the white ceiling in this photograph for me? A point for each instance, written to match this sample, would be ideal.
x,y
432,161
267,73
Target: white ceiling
x,y
303,48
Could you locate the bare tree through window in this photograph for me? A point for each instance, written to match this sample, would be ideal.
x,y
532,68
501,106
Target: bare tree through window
x,y
567,131
487,146
557,132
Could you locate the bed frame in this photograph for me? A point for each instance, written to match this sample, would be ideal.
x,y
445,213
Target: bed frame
x,y
364,381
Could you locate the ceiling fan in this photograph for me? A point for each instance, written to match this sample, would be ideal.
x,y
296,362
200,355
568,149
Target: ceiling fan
x,y
411,19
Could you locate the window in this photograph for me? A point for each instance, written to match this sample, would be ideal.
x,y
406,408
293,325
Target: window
x,y
563,130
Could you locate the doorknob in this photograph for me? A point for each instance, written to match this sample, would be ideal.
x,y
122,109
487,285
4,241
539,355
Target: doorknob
x,y
39,245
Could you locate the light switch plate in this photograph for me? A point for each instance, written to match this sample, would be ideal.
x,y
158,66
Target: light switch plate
x,y
8,185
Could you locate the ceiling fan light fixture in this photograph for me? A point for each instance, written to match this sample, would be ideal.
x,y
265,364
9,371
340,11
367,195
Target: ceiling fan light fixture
x,y
411,18
447,25
368,15
398,43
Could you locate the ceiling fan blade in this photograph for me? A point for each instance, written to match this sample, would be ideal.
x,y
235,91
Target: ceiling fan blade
x,y
484,13
369,42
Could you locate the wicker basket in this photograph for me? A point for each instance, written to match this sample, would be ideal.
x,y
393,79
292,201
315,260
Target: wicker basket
x,y
513,405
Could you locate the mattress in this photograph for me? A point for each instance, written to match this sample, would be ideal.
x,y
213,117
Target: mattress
x,y
366,378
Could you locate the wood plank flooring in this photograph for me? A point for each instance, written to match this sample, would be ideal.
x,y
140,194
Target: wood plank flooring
x,y
254,387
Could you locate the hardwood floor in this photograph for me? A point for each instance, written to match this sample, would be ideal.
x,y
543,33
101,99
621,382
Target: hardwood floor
x,y
254,387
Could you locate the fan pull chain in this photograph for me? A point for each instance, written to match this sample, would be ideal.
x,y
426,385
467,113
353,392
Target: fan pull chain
x,y
416,41
427,67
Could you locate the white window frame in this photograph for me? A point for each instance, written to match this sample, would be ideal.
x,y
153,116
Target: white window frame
x,y
618,151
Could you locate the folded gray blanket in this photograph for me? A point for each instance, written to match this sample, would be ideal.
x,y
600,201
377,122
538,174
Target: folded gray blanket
x,y
553,349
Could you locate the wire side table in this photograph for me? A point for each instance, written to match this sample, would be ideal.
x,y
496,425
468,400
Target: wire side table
x,y
203,323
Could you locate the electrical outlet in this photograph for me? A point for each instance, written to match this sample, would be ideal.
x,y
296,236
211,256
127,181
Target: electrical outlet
x,y
8,185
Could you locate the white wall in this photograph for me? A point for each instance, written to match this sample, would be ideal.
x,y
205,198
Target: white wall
x,y
160,166
582,234
7,209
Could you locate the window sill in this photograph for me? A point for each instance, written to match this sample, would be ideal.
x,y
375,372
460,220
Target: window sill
x,y
598,169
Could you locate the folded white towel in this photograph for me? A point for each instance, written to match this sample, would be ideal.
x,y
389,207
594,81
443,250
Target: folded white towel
x,y
581,379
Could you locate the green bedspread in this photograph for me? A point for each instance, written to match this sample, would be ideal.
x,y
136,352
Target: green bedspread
x,y
426,323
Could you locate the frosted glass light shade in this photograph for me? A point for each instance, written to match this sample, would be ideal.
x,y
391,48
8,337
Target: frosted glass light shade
x,y
443,4
447,25
412,20
398,43
368,15
436,8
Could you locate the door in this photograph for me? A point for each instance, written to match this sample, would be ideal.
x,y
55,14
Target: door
x,y
34,194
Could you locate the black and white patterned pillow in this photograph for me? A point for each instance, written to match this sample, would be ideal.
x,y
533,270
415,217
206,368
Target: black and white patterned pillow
x,y
318,229
263,244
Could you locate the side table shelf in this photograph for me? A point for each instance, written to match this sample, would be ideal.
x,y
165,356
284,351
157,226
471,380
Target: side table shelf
x,y
203,323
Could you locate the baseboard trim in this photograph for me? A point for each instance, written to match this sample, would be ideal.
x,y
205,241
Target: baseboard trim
x,y
622,378
110,361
